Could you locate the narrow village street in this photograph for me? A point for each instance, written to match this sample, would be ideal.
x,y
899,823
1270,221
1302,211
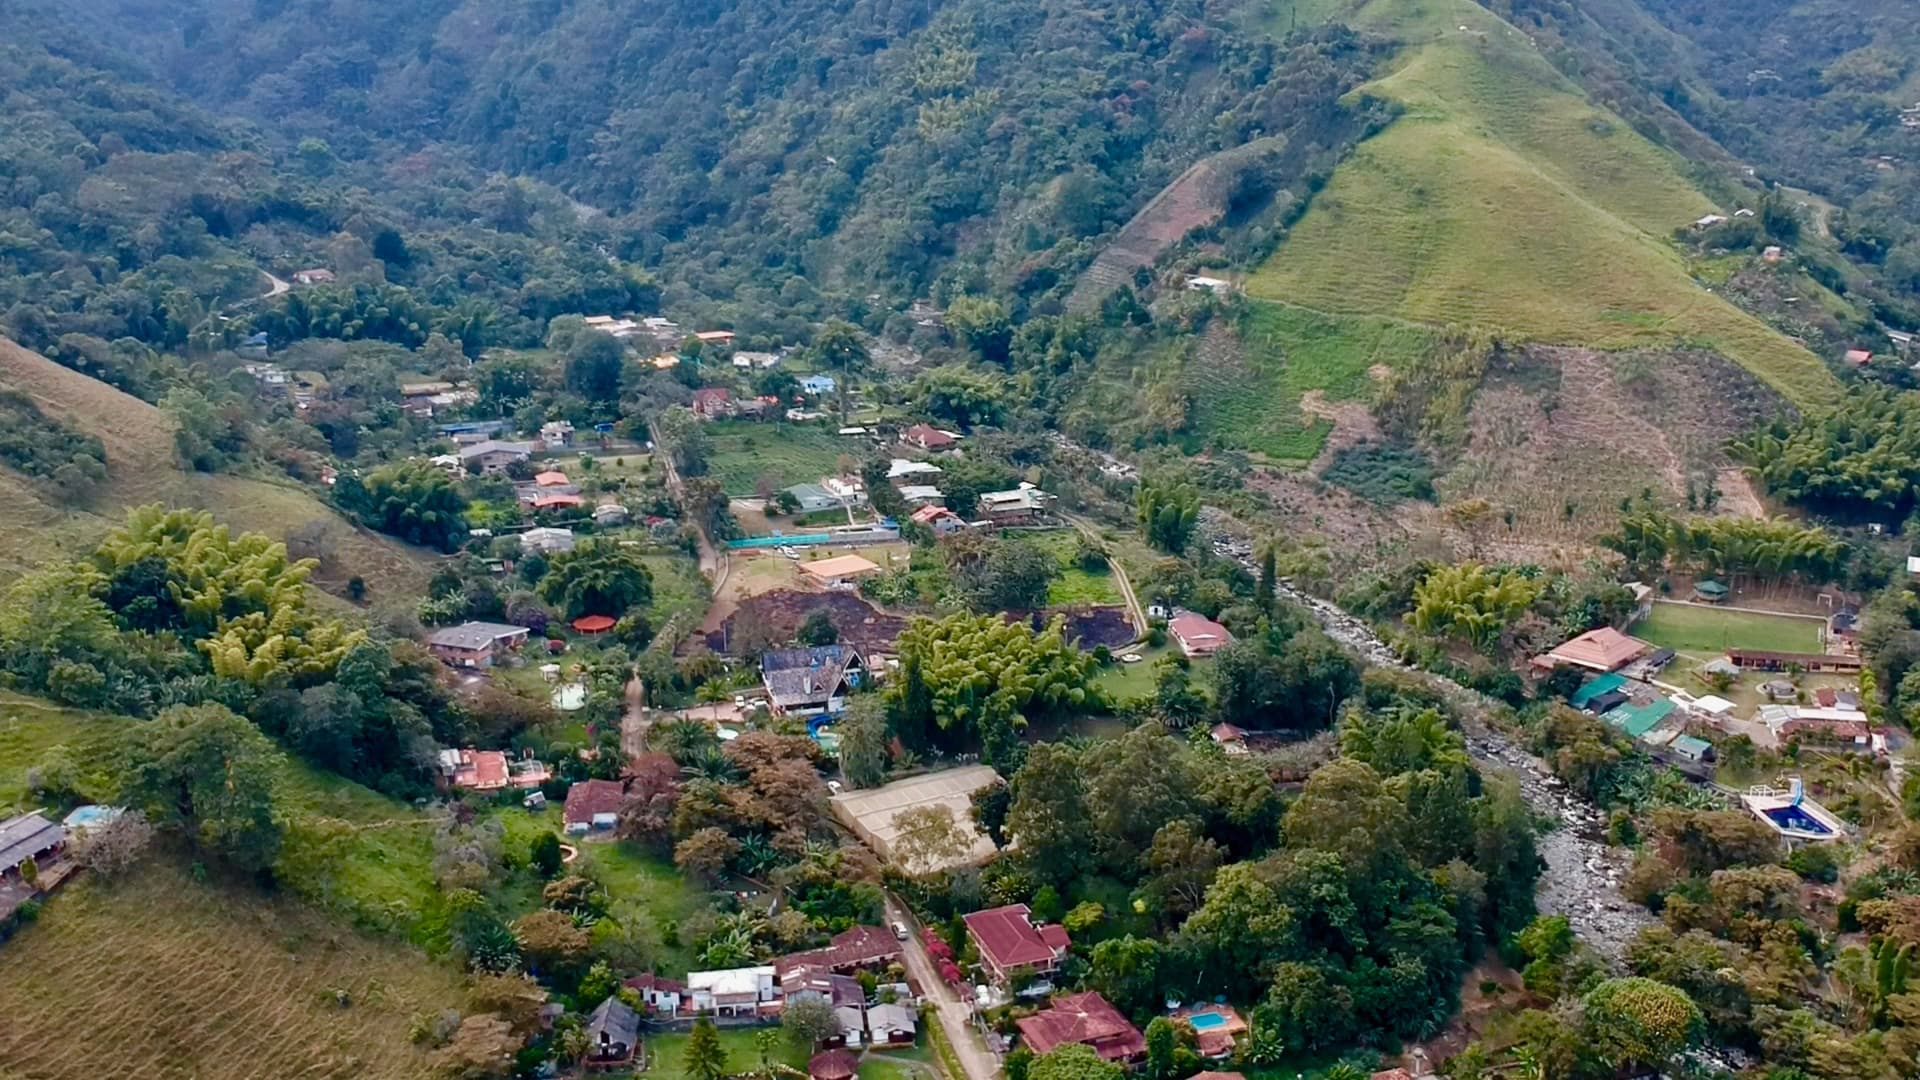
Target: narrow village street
x,y
955,1014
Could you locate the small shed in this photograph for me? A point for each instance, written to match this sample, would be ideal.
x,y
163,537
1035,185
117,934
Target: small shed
x,y
613,1032
1691,749
1709,592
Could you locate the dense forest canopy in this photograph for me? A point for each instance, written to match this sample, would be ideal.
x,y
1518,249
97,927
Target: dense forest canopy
x,y
825,145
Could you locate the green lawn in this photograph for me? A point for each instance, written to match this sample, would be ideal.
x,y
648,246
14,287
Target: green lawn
x,y
1705,631
666,1053
627,872
677,586
1076,585
1502,199
748,455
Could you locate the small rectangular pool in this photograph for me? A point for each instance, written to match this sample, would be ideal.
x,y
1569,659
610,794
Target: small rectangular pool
x,y
1207,1021
1797,820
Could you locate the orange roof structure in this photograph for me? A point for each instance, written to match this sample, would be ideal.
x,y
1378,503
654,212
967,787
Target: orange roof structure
x,y
548,502
1605,649
840,566
593,624
551,478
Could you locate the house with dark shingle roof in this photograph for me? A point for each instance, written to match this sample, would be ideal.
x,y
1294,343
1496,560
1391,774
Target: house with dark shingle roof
x,y
1010,943
476,644
806,682
613,1033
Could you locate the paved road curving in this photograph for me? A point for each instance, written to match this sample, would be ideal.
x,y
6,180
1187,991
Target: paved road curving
x,y
956,1015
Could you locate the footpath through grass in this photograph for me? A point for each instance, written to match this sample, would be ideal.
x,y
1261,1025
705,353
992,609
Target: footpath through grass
x,y
1709,631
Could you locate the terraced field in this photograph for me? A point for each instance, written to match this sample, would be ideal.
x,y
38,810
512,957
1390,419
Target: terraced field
x,y
168,977
141,469
1504,201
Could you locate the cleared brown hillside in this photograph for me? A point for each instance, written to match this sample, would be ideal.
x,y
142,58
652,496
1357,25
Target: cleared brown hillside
x,y
1193,201
141,469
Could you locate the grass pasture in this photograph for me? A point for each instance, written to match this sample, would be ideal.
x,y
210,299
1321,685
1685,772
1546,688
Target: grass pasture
x,y
666,1053
745,453
160,975
141,469
1701,631
1076,585
1503,200
1254,403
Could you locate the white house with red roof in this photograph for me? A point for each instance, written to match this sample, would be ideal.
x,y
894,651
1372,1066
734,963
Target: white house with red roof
x,y
1010,942
1198,635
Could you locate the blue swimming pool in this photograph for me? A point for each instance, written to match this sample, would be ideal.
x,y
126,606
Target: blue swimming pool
x,y
1792,817
1206,1021
781,541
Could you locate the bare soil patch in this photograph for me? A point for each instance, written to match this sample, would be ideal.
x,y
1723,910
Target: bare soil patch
x,y
778,615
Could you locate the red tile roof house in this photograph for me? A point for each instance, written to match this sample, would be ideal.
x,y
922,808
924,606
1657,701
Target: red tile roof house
x,y
1198,635
594,806
849,951
927,437
1010,943
1087,1019
711,402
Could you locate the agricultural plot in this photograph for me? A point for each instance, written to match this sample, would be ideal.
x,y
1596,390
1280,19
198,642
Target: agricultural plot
x,y
161,975
1503,200
1708,631
749,456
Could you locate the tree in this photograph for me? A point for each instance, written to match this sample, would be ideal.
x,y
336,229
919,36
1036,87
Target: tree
x,y
766,1041
1074,1061
416,502
1001,575
864,753
1636,1020
982,323
685,439
705,1058
809,1020
111,849
597,578
1181,863
707,854
481,1049
1472,602
1049,817
1126,971
213,776
1163,1042
550,940
1239,927
544,855
1263,591
818,629
928,839
1167,516
838,348
1307,1009
594,363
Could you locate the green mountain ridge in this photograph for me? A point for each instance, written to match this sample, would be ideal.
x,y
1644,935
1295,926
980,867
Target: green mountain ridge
x,y
1502,199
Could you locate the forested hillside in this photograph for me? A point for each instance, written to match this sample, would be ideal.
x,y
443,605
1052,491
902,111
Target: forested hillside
x,y
848,144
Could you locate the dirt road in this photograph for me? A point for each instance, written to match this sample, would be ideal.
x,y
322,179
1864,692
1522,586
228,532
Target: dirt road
x,y
1134,611
955,1015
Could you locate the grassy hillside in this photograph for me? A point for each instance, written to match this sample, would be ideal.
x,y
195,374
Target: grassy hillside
x,y
1503,200
162,975
141,469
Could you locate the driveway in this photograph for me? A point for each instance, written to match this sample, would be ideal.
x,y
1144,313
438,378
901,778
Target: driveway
x,y
956,1016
